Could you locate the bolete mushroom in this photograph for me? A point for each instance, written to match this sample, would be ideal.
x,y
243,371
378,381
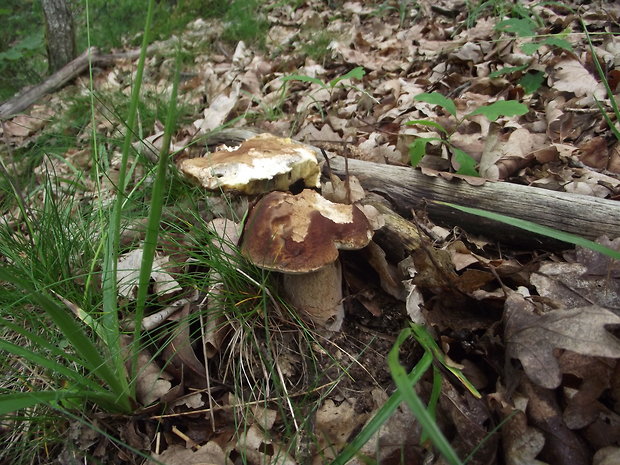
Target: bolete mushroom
x,y
300,236
260,164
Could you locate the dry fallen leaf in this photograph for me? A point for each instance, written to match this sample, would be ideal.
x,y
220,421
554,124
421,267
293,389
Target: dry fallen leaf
x,y
532,338
582,405
152,383
258,447
572,76
209,454
334,424
522,443
218,111
129,273
562,445
570,286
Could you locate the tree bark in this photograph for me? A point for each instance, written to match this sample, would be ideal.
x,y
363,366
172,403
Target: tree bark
x,y
59,33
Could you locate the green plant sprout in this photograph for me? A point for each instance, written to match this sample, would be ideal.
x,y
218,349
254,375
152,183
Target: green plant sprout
x,y
355,73
467,165
405,384
526,27
498,8
404,10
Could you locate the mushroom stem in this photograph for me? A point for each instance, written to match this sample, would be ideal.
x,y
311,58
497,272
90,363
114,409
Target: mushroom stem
x,y
317,295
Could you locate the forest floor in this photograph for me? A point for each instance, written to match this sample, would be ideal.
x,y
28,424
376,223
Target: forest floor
x,y
532,330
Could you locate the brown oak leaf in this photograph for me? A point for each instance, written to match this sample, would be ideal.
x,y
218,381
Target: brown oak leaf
x,y
532,338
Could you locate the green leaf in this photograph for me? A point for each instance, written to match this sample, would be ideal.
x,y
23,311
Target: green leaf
x,y
538,229
500,108
12,54
417,149
532,81
303,78
355,73
109,285
436,98
555,41
467,165
517,26
31,42
48,364
508,70
530,48
426,122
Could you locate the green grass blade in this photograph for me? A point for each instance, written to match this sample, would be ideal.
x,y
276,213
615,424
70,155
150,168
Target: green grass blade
x,y
415,403
73,332
155,212
601,73
426,340
38,341
432,403
51,365
489,435
109,276
19,400
538,229
383,414
607,119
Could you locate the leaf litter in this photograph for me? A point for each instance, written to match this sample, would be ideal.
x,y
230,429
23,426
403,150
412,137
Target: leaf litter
x,y
535,332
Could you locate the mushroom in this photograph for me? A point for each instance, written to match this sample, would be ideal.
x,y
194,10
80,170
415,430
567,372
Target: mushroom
x,y
260,164
300,236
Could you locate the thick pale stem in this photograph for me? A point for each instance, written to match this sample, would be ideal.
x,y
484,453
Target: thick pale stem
x,y
317,295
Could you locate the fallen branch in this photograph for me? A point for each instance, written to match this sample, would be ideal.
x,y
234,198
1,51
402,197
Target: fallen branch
x,y
70,71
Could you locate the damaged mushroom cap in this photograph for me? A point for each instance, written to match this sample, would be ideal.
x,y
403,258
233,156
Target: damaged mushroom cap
x,y
302,233
260,164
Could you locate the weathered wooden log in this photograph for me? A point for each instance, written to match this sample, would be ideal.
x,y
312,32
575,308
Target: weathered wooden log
x,y
407,188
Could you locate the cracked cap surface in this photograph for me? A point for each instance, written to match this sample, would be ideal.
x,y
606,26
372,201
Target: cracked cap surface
x,y
302,233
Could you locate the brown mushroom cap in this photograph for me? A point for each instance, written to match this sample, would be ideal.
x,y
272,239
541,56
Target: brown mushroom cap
x,y
302,233
260,164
